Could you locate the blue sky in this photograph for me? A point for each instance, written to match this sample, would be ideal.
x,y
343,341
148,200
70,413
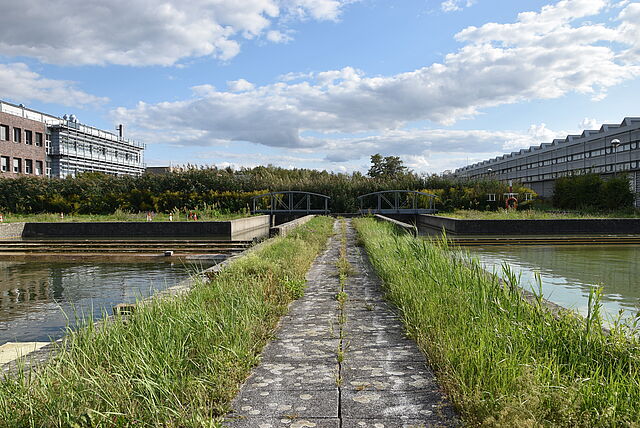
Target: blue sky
x,y
326,83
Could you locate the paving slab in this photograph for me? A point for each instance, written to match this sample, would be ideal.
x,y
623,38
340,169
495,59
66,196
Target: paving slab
x,y
388,375
287,404
289,422
401,422
299,348
398,353
371,404
293,376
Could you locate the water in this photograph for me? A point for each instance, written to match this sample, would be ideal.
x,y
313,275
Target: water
x,y
569,272
37,297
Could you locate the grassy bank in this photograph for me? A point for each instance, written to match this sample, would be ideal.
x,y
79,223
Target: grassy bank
x,y
176,362
503,214
119,216
503,361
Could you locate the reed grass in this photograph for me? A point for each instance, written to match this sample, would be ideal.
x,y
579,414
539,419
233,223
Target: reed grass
x,y
502,360
176,362
533,214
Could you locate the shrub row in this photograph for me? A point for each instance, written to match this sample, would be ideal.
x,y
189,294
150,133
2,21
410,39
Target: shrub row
x,y
225,189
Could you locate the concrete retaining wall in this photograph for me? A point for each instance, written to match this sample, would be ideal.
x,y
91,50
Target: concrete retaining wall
x,y
245,228
405,226
530,227
284,229
249,227
11,230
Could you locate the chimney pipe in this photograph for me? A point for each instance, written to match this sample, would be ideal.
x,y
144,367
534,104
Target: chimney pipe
x,y
120,129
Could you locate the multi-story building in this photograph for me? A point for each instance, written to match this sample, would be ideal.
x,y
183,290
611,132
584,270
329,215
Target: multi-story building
x,y
610,150
40,144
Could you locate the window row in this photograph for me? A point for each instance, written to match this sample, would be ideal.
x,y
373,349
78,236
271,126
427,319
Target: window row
x,y
568,158
20,166
626,166
30,137
75,146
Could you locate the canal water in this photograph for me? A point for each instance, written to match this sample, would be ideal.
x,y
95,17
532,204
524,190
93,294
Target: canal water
x,y
569,272
39,299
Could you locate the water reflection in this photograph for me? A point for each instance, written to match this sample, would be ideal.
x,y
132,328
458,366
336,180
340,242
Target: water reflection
x,y
37,297
569,272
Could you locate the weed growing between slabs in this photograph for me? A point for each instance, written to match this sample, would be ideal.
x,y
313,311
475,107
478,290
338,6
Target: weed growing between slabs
x,y
505,361
176,362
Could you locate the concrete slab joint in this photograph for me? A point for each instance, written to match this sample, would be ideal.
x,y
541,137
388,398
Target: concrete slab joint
x,y
341,358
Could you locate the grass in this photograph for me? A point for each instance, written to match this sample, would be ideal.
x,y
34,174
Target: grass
x,y
504,361
504,214
208,215
175,362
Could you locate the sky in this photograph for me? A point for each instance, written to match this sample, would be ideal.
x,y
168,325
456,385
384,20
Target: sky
x,y
325,84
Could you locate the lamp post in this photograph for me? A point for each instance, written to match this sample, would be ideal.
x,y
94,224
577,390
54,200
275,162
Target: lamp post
x,y
615,143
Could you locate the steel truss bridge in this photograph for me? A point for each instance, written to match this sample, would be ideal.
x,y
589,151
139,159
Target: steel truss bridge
x,y
290,202
397,202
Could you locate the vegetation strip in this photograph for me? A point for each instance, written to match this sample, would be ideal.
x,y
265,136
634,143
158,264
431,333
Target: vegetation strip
x,y
175,361
505,361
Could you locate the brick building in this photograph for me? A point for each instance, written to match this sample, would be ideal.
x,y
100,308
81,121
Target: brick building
x,y
22,144
34,143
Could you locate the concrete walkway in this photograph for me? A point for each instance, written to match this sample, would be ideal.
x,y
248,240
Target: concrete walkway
x,y
380,378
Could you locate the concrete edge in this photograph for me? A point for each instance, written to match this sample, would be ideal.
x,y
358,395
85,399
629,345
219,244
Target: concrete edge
x,y
409,228
285,228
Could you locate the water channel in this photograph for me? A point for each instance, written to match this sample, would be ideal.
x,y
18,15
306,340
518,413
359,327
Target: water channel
x,y
39,299
569,272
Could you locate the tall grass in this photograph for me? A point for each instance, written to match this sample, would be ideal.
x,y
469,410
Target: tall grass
x,y
175,362
505,361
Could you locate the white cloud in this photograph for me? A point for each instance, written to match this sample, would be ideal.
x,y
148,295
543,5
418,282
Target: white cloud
x,y
543,55
588,123
455,5
20,84
240,85
142,32
276,36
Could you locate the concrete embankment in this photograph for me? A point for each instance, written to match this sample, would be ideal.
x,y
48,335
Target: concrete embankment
x,y
285,228
413,230
242,228
11,230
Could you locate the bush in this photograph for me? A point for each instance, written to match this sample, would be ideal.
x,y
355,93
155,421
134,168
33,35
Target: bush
x,y
591,192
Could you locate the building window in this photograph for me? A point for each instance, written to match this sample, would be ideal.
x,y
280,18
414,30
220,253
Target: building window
x,y
39,139
48,169
17,135
4,163
28,166
17,165
38,167
4,133
492,197
28,137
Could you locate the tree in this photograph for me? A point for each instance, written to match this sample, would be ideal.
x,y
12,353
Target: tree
x,y
386,167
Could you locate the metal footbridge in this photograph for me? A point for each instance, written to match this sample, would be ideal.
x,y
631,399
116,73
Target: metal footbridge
x,y
290,202
397,202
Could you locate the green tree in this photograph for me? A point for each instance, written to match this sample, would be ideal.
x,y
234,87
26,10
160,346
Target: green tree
x,y
386,167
